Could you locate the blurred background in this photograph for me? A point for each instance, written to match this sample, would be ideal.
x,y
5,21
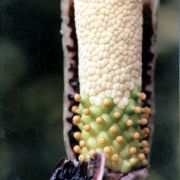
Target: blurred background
x,y
31,91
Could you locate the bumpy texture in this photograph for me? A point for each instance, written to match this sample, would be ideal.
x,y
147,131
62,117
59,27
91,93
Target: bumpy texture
x,y
110,114
113,131
109,37
72,114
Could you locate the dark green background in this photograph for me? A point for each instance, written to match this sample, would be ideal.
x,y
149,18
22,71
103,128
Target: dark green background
x,y
31,91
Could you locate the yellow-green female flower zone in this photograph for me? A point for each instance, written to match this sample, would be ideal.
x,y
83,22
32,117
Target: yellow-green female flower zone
x,y
119,133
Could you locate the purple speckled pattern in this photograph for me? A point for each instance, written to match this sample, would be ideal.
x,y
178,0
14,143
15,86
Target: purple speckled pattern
x,y
71,75
136,175
141,174
98,166
71,85
94,169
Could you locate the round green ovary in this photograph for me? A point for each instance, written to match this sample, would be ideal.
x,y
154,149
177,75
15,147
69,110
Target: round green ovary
x,y
112,134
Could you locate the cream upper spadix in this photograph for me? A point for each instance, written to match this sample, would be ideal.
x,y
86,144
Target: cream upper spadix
x,y
109,34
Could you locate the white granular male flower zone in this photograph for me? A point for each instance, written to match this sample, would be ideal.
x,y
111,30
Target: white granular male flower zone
x,y
109,36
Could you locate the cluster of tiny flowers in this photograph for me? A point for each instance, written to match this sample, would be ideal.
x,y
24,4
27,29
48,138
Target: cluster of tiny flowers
x,y
120,134
109,41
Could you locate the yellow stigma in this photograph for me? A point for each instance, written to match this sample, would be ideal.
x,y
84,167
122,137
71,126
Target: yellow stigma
x,y
113,129
82,143
76,119
106,102
92,152
117,115
129,122
132,150
137,109
82,157
87,128
142,96
114,158
136,135
120,139
141,156
108,149
76,149
146,150
133,161
101,140
143,121
144,143
77,135
146,131
77,97
99,120
74,109
146,110
86,111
